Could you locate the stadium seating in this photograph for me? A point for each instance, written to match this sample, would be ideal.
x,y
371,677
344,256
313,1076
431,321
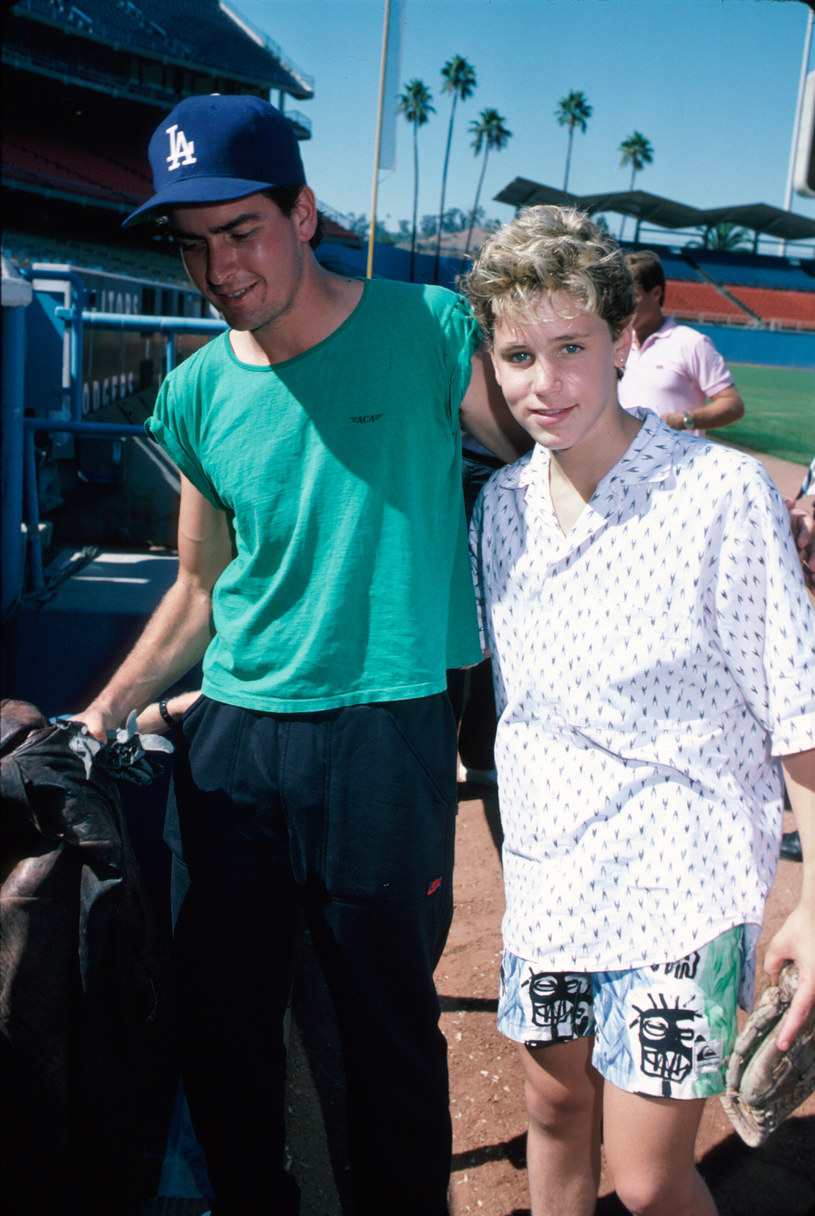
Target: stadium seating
x,y
26,248
51,158
782,309
751,270
677,268
700,302
735,288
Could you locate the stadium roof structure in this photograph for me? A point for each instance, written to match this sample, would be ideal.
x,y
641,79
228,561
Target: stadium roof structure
x,y
196,33
760,218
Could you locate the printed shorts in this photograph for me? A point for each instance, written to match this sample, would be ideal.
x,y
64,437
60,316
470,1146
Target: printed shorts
x,y
664,1030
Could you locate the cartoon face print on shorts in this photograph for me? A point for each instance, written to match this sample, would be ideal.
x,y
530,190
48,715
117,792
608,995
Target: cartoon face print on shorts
x,y
559,1003
666,1040
674,1039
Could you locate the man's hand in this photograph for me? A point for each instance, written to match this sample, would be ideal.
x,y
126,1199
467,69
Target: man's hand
x,y
723,408
794,940
97,722
675,421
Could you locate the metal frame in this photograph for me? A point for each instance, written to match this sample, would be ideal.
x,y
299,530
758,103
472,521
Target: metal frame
x,y
19,489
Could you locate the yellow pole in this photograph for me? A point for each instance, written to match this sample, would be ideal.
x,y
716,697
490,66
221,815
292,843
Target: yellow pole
x,y
378,138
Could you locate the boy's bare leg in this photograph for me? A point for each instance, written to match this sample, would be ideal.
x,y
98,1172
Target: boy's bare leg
x,y
564,1096
649,1146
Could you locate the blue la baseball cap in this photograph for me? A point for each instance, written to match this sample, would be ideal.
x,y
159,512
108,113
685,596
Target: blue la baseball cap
x,y
211,149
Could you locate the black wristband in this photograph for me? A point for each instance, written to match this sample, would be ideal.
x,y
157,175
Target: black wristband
x,y
165,713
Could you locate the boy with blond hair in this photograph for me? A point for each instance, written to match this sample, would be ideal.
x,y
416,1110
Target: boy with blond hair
x,y
652,647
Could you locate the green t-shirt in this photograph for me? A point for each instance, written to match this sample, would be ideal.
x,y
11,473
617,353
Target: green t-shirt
x,y
340,470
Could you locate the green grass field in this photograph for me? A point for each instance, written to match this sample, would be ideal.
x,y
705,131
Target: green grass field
x,y
779,412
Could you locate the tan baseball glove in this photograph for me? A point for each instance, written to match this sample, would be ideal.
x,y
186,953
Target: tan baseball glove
x,y
765,1085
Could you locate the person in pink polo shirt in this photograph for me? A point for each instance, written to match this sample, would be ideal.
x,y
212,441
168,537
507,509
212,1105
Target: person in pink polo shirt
x,y
673,369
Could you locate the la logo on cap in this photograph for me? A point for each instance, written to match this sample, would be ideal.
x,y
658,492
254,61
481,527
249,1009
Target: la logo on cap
x,y
181,151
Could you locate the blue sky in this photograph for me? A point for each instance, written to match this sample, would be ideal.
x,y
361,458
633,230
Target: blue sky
x,y
712,84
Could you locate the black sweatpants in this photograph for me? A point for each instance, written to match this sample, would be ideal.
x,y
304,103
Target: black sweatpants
x,y
351,814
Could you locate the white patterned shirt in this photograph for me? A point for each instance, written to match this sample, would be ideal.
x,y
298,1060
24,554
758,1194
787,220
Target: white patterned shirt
x,y
649,666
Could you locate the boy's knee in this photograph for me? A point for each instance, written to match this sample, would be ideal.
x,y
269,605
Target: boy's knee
x,y
558,1112
645,1192
563,1092
639,1195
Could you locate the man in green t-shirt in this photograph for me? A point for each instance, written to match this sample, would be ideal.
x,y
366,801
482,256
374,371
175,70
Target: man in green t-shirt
x,y
322,577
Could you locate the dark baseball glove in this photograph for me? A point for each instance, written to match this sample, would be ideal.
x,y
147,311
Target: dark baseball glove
x,y
765,1085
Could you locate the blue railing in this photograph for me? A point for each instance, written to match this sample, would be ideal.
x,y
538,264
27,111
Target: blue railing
x,y
20,503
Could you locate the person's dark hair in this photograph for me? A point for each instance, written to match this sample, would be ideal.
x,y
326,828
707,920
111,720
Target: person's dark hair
x,y
285,197
646,271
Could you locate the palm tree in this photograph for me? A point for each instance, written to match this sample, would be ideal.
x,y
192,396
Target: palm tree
x,y
459,79
414,103
488,131
573,111
723,236
636,152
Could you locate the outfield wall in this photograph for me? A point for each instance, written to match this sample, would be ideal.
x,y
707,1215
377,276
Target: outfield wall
x,y
769,347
